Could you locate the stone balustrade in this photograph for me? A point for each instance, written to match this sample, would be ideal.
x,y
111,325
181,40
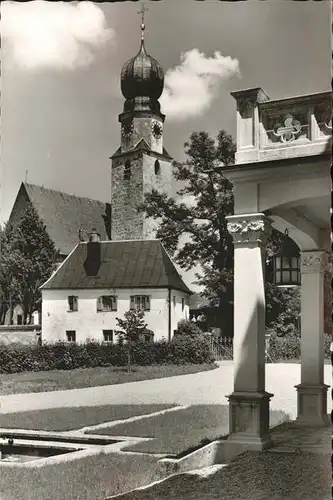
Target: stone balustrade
x,y
285,128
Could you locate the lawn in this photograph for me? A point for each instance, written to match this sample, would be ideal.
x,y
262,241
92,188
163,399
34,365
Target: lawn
x,y
252,475
57,380
93,477
180,430
66,419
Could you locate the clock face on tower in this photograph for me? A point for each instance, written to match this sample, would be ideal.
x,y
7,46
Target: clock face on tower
x,y
127,129
157,129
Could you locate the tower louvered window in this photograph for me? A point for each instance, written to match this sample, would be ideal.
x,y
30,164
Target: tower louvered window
x,y
127,171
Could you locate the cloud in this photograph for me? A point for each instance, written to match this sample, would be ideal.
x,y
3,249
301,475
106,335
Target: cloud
x,y
191,87
53,35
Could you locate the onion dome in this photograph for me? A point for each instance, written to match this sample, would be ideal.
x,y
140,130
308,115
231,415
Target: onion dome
x,y
142,76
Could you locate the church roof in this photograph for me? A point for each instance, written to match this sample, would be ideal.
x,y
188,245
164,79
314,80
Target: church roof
x,y
122,264
64,214
142,76
142,145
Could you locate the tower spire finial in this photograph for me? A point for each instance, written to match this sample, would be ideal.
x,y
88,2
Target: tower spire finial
x,y
142,12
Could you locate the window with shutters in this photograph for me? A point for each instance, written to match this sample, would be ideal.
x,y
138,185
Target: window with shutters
x,y
140,302
73,304
108,335
107,303
71,335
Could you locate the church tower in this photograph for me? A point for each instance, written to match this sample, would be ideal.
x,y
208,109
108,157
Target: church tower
x,y
141,163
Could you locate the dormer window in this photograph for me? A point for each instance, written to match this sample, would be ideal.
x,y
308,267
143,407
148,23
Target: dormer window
x,y
127,171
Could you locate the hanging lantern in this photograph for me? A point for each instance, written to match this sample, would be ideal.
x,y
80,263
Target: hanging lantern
x,y
287,263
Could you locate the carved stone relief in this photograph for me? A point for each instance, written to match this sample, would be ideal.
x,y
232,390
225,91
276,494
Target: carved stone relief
x,y
285,127
249,230
314,262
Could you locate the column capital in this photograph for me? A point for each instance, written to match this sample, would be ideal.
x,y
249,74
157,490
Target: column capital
x,y
249,229
315,262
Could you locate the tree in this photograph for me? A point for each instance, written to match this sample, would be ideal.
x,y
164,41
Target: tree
x,y
193,226
130,329
283,311
29,259
10,262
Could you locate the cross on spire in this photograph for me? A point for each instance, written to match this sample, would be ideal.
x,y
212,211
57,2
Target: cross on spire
x,y
142,12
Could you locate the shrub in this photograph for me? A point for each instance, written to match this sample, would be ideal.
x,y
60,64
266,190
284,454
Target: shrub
x,y
186,349
188,328
16,358
289,347
284,348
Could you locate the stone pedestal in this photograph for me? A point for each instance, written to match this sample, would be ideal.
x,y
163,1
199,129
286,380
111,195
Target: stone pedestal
x,y
312,392
249,403
312,404
249,419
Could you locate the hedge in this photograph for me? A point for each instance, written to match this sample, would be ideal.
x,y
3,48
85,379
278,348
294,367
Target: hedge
x,y
16,358
282,348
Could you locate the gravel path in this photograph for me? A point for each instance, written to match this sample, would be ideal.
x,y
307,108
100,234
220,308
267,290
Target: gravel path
x,y
208,387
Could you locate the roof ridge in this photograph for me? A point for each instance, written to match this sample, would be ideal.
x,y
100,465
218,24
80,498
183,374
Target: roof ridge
x,y
62,192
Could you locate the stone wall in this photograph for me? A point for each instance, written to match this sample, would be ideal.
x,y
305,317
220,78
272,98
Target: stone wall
x,y
25,334
127,195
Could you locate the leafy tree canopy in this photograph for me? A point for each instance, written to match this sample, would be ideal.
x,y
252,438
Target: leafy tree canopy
x,y
28,257
192,225
131,327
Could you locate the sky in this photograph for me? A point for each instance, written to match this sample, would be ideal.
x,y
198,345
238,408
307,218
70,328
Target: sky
x,y
60,77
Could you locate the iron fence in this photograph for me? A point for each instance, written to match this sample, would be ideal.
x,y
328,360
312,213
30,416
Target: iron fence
x,y
277,349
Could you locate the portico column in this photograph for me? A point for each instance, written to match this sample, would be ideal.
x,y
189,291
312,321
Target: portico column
x,y
249,402
312,392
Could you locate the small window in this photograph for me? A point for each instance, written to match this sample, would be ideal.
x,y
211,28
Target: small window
x,y
108,335
140,302
72,303
157,167
147,337
71,335
19,319
183,304
107,303
174,301
127,171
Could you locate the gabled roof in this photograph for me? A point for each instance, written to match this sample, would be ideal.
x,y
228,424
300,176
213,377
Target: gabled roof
x,y
64,214
142,145
123,264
